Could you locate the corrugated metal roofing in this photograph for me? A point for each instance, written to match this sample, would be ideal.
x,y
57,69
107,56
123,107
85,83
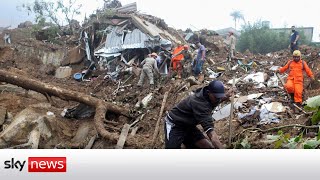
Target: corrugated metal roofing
x,y
135,39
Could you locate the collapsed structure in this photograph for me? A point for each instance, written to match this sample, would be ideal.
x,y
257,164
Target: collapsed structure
x,y
97,62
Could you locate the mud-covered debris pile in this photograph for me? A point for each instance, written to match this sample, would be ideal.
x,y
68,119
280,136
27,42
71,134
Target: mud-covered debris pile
x,y
99,60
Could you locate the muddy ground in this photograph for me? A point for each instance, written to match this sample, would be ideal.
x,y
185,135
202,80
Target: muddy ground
x,y
76,133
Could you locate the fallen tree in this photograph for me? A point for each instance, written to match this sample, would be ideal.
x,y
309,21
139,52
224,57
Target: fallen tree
x,y
101,107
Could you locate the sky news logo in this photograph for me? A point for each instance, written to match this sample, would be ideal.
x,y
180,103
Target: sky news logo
x,y
39,164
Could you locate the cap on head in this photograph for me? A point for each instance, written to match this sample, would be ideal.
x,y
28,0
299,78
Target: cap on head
x,y
217,89
154,55
297,53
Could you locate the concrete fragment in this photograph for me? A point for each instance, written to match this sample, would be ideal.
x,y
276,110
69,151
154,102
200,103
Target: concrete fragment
x,y
241,99
224,112
63,72
25,129
273,82
275,107
254,96
236,80
259,77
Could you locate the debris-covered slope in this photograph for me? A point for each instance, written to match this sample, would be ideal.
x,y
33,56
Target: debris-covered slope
x,y
99,62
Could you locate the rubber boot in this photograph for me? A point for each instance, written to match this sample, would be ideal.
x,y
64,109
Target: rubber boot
x,y
296,110
292,98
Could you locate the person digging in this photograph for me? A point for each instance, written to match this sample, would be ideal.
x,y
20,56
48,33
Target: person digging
x,y
182,120
149,66
294,85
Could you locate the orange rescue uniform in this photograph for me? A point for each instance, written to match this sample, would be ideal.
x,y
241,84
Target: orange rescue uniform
x,y
176,61
294,83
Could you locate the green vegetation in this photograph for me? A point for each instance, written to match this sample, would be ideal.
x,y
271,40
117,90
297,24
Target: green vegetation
x,y
237,15
258,38
45,10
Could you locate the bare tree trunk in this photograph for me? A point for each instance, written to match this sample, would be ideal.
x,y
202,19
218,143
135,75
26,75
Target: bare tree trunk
x,y
101,106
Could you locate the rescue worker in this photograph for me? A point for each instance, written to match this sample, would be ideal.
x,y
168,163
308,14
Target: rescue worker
x,y
231,42
294,39
294,85
7,38
199,61
149,66
187,61
176,59
181,121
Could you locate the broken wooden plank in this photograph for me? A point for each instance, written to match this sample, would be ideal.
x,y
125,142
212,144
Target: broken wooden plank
x,y
123,136
156,131
134,131
91,142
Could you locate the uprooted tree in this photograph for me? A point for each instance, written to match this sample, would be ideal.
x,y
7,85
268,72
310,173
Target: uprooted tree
x,y
51,11
101,107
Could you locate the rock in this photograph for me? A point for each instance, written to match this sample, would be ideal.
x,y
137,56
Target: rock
x,y
67,133
192,80
3,114
74,56
63,72
25,129
9,117
12,88
82,133
26,24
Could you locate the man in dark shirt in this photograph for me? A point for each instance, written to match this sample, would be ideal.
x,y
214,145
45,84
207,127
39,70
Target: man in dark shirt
x,y
294,39
181,121
199,61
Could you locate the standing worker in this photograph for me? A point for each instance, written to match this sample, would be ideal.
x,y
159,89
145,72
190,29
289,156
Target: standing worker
x,y
294,39
149,65
7,38
181,121
187,61
294,85
177,57
199,59
231,42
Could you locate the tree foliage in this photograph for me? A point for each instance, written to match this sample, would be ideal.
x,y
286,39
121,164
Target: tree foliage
x,y
258,38
109,4
237,15
49,10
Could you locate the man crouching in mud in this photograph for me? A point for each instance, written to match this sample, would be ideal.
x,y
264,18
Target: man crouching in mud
x,y
180,123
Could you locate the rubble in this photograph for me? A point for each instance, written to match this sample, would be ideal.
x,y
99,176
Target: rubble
x,y
3,115
98,65
27,128
63,72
